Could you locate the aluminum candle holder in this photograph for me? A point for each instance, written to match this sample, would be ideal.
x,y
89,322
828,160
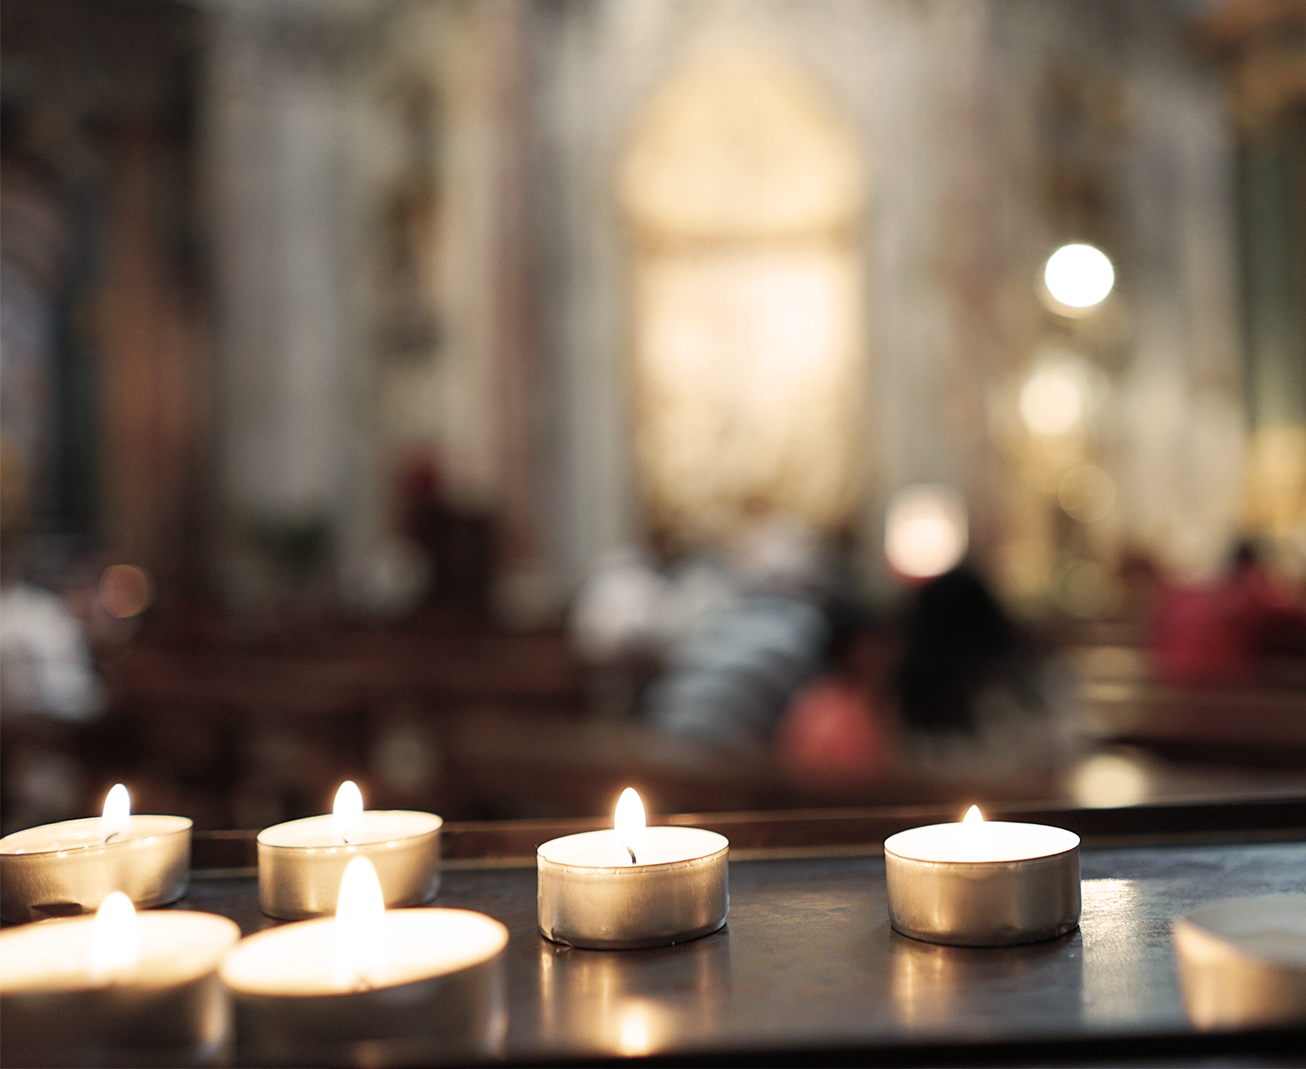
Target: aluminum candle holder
x,y
60,870
440,996
301,862
1242,964
983,883
590,894
168,1009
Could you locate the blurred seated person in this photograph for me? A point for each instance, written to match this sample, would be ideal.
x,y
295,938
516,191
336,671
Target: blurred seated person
x,y
740,656
1221,632
841,729
971,686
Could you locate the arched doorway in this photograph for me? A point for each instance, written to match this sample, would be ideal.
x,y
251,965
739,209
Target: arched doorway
x,y
743,191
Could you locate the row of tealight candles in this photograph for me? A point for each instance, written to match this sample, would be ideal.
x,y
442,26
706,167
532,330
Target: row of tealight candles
x,y
122,987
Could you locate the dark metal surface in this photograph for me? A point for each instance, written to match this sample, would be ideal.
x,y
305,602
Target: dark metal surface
x,y
808,968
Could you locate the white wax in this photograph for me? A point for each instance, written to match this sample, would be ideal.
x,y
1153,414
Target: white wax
x,y
989,841
297,959
660,846
86,833
175,946
379,826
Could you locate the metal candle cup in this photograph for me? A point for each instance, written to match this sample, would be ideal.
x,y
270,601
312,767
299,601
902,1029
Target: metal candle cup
x,y
439,996
994,883
59,870
591,895
300,862
1242,964
169,1009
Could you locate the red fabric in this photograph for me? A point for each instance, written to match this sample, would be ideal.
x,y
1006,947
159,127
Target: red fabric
x,y
1219,633
831,730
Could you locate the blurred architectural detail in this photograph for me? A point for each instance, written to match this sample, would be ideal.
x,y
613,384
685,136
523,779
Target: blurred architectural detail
x,y
1263,46
368,161
342,340
743,191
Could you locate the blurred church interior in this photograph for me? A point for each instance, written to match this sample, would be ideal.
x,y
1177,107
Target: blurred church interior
x,y
500,402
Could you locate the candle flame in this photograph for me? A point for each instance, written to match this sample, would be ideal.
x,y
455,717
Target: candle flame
x,y
974,839
630,823
347,812
115,938
116,812
359,938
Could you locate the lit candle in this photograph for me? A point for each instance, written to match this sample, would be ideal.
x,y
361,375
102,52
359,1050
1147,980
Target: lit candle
x,y
631,885
60,870
983,883
301,862
370,985
116,989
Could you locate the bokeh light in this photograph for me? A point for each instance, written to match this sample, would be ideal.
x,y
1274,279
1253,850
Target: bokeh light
x,y
1079,276
126,590
1109,780
1087,493
925,530
1053,401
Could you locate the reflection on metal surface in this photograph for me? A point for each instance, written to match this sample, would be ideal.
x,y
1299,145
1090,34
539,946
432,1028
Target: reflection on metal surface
x,y
633,1002
935,987
925,982
638,1033
1114,926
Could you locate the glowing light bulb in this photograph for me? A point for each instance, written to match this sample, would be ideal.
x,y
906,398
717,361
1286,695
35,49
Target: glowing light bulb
x,y
116,813
1079,276
630,823
347,812
925,530
359,938
115,938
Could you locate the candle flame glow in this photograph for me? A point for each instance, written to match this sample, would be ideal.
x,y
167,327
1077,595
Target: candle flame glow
x,y
636,1032
347,812
629,823
116,812
359,938
973,836
115,938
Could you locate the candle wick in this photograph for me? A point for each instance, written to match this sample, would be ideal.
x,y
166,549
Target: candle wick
x,y
112,835
631,852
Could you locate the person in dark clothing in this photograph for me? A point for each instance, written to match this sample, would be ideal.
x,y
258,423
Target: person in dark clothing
x,y
962,655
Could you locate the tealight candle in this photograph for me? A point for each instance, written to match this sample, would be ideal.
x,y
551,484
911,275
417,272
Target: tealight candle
x,y
116,989
370,985
632,886
983,883
60,870
301,862
1242,964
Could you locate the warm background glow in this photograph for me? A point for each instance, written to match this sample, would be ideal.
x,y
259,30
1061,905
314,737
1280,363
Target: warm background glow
x,y
1079,276
925,531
